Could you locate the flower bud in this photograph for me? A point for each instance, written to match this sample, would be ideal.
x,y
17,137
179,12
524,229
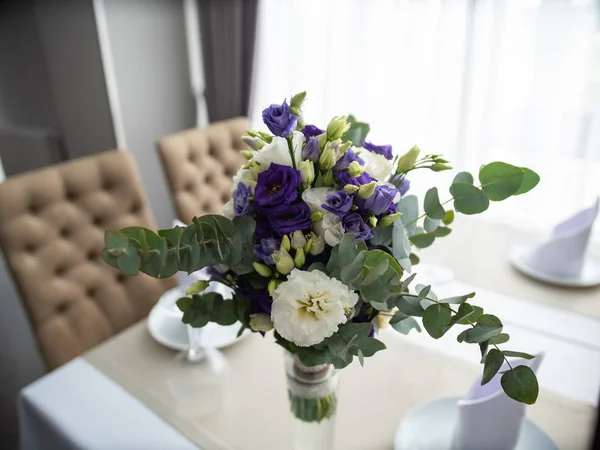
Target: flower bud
x,y
441,160
261,322
322,138
328,158
248,154
283,261
318,245
265,137
337,128
285,243
350,189
328,178
273,284
408,160
298,99
355,169
299,258
316,216
255,143
197,287
311,150
252,133
372,221
295,111
440,167
388,220
298,239
262,269
307,173
366,190
345,146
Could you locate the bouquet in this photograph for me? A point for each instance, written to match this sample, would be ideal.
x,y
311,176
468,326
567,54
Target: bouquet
x,y
316,244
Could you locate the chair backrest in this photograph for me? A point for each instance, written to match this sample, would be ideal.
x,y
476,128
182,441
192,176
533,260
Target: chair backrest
x,y
52,224
199,165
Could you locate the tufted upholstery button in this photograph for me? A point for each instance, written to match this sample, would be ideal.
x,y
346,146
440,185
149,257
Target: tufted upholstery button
x,y
200,164
121,278
47,267
135,208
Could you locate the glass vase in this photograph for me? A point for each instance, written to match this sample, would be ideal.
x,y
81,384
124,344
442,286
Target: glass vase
x,y
312,392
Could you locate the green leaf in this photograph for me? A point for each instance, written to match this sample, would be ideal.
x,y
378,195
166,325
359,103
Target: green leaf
x,y
409,207
436,319
500,339
357,133
430,225
530,181
116,241
351,274
487,326
500,180
521,385
317,266
463,177
517,354
433,207
493,362
468,199
442,231
458,300
361,358
369,346
376,273
448,217
423,240
407,282
473,317
414,259
184,303
401,244
382,236
404,326
129,262
406,306
464,311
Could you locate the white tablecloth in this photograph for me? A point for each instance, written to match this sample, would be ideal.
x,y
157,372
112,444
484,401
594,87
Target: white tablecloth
x,y
77,407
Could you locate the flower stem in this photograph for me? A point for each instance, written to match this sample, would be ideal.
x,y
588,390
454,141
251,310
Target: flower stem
x,y
291,150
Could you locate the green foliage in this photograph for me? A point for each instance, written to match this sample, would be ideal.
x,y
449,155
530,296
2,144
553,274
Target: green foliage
x,y
422,240
436,320
405,325
357,133
530,181
430,225
463,177
493,362
520,384
487,326
500,180
401,244
409,207
517,354
442,231
448,217
433,207
199,309
210,240
468,199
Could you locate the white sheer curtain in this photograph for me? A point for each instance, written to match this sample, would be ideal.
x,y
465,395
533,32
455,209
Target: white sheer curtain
x,y
476,80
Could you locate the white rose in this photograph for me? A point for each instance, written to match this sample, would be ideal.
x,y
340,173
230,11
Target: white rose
x,y
376,165
310,307
245,176
315,197
261,322
277,152
330,227
227,210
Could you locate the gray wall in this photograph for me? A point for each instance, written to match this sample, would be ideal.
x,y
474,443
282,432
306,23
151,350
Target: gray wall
x,y
147,39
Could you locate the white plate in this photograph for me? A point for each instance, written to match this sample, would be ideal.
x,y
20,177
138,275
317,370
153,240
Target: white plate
x,y
590,275
430,426
165,326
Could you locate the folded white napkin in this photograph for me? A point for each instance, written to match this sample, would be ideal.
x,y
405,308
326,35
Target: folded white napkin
x,y
487,417
563,254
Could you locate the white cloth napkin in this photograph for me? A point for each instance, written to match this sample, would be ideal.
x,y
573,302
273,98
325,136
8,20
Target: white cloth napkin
x,y
488,418
563,255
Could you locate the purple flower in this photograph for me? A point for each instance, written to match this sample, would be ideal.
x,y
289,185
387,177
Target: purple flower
x,y
280,120
260,300
385,150
338,203
265,249
241,200
346,159
311,130
311,150
277,185
404,186
343,178
354,223
380,201
285,219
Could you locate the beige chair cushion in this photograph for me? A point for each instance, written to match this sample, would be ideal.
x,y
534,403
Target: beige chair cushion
x,y
52,224
200,164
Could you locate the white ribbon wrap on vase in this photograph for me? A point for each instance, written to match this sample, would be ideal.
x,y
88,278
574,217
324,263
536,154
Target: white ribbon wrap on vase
x,y
488,418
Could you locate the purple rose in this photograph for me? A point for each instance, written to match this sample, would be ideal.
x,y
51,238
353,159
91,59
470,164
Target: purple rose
x,y
354,223
265,249
346,159
380,201
311,150
404,186
280,120
260,300
277,185
338,203
285,219
385,150
241,200
343,178
311,130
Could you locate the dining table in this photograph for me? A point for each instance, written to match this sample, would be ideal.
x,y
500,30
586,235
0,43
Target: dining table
x,y
131,392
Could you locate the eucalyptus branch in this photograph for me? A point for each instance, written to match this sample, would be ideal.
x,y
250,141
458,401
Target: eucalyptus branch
x,y
425,214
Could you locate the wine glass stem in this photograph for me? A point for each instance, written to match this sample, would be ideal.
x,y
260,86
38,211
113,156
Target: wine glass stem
x,y
196,351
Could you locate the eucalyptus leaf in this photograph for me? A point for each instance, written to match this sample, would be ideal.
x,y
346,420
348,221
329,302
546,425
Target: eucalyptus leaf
x,y
463,177
422,240
442,232
500,180
406,306
468,199
448,217
530,181
433,207
521,385
406,325
458,299
493,362
430,225
517,354
500,339
414,259
436,319
487,326
357,133
409,207
473,316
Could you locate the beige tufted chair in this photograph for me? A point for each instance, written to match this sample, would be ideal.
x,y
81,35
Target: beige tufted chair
x,y
52,224
200,163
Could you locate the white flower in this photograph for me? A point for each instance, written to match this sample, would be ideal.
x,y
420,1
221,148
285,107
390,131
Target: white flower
x,y
245,176
315,197
330,228
227,210
375,165
277,152
310,307
260,322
